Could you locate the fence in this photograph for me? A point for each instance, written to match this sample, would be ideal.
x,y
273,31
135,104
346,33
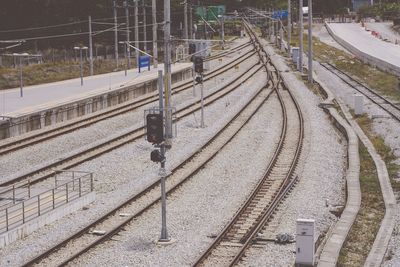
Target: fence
x,y
23,207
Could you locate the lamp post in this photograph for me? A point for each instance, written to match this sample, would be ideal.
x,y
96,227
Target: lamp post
x,y
80,48
21,84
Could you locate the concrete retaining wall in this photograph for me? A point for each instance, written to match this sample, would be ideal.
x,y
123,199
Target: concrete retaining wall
x,y
366,58
37,120
47,218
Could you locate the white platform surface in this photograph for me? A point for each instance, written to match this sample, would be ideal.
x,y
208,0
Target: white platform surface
x,y
51,94
358,37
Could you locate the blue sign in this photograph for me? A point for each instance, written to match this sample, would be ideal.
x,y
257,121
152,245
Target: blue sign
x,y
280,14
144,61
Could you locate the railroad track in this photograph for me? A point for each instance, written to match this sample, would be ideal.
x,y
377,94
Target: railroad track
x,y
8,146
82,241
97,149
382,102
231,244
228,52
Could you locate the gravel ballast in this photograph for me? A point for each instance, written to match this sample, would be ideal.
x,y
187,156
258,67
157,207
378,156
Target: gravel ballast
x,y
128,169
27,158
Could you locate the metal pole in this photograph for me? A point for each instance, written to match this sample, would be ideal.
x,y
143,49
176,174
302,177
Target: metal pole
x,y
185,23
154,21
289,26
144,27
115,34
301,35
310,44
223,31
160,89
205,24
202,105
125,53
280,24
136,32
90,46
21,85
80,53
194,82
164,234
190,27
128,53
167,64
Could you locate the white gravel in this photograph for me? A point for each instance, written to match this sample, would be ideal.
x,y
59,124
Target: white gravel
x,y
384,126
127,170
27,158
201,207
321,172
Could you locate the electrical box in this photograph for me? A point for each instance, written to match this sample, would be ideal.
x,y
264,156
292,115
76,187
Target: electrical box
x,y
295,54
305,242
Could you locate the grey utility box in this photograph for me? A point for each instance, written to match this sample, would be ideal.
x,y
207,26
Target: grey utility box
x,y
305,242
295,54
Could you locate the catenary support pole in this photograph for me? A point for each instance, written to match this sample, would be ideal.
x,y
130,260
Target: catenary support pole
x,y
144,27
185,23
289,27
310,44
128,50
21,85
90,46
190,20
81,64
136,15
301,29
167,64
202,103
154,21
115,34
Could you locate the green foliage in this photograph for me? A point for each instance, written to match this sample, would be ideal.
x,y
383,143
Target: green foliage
x,y
387,10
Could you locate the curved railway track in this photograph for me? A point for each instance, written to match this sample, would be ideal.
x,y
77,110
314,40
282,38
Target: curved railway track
x,y
232,243
382,102
114,142
82,241
8,146
228,52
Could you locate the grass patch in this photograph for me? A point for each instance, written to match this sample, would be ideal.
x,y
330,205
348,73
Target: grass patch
x,y
366,225
51,72
384,83
383,150
368,220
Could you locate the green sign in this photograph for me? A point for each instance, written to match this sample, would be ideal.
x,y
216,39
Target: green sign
x,y
210,13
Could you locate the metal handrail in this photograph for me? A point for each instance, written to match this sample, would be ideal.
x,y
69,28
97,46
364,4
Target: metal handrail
x,y
35,206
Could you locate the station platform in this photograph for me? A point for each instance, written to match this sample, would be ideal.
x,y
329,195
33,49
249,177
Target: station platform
x,y
47,104
367,47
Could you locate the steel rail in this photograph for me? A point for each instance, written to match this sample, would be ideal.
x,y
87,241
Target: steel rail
x,y
96,150
366,91
228,52
153,186
288,182
44,135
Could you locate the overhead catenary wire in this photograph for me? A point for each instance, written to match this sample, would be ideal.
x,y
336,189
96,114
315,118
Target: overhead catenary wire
x,y
77,34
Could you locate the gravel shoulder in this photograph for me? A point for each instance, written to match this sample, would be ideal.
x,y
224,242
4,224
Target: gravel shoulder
x,y
27,158
201,208
128,170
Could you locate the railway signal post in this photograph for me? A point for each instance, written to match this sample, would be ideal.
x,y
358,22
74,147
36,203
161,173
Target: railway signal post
x,y
199,69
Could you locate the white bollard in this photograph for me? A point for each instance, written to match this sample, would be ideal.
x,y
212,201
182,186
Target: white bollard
x,y
358,104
